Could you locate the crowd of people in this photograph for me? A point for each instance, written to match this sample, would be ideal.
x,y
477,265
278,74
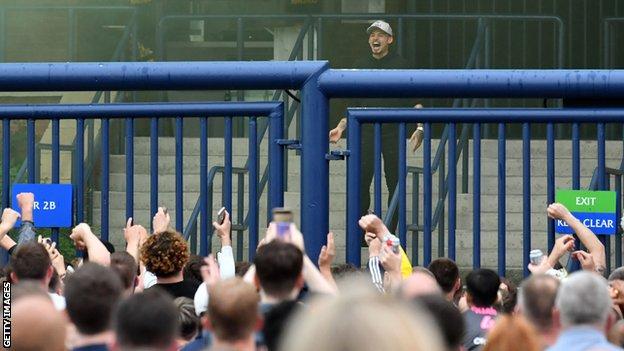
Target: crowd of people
x,y
155,295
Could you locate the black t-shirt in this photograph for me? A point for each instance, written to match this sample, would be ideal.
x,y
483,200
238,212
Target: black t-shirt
x,y
185,288
479,321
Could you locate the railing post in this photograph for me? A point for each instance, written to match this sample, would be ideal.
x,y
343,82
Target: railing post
x,y
476,197
452,189
550,175
526,196
153,167
402,186
129,167
377,171
253,188
79,170
502,174
55,165
203,186
179,173
105,179
30,136
6,163
314,166
276,161
427,195
353,251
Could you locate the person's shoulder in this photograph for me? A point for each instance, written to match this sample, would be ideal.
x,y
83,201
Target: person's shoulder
x,y
399,61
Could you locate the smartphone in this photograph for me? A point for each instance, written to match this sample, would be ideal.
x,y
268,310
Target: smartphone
x,y
282,217
221,215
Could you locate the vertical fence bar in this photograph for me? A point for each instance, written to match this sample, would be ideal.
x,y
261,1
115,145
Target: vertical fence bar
x,y
600,139
402,185
576,157
452,189
618,215
79,170
502,174
30,137
6,160
56,160
550,175
276,160
154,167
415,208
526,196
203,185
240,215
377,165
253,187
465,162
129,167
105,178
353,192
427,195
179,173
476,197
441,198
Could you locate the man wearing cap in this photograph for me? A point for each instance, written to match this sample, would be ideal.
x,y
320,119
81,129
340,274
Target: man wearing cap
x,y
380,37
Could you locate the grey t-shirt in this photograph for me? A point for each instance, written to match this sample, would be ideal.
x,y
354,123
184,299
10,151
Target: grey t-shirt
x,y
478,320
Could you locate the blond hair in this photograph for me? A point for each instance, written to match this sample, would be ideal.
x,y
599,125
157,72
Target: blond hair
x,y
360,319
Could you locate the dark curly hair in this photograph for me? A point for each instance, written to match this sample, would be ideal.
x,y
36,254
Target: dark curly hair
x,y
165,254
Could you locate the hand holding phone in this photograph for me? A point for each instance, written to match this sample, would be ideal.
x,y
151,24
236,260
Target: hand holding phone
x,y
221,215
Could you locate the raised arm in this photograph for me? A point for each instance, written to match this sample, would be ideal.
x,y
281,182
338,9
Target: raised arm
x,y
84,238
585,235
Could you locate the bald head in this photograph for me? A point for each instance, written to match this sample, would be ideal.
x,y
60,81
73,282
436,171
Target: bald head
x,y
420,283
36,325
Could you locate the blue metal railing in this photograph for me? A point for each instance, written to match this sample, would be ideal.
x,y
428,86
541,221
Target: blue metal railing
x,y
357,117
319,84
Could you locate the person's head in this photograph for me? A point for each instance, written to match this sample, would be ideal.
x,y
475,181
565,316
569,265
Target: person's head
x,y
165,253
275,322
279,269
146,320
124,265
36,325
447,317
380,37
583,299
509,296
189,322
344,270
93,290
361,319
512,333
421,282
192,268
233,310
536,301
241,267
617,274
31,261
482,287
446,273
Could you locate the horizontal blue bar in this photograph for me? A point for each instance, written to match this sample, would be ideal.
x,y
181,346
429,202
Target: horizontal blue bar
x,y
461,83
481,115
599,223
156,76
204,109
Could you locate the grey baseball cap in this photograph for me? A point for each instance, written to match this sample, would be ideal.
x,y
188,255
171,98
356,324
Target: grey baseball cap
x,y
382,25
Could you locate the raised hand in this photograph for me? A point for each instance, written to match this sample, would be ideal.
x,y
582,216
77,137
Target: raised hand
x,y
9,218
373,224
558,211
161,220
224,230
328,253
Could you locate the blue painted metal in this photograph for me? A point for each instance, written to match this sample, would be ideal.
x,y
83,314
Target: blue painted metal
x,y
402,186
6,163
105,178
427,195
129,167
253,188
153,167
550,175
55,164
452,190
179,187
79,161
526,196
576,156
203,186
353,181
618,214
377,172
227,175
502,205
601,174
276,161
30,139
476,195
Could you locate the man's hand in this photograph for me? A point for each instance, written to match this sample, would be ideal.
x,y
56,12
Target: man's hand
x,y
336,133
9,218
390,261
135,235
417,137
558,211
541,268
295,237
80,235
58,261
373,224
26,202
328,253
374,245
161,220
586,260
210,271
224,230
562,245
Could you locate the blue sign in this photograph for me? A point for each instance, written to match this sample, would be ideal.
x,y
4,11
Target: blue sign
x,y
595,209
52,207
